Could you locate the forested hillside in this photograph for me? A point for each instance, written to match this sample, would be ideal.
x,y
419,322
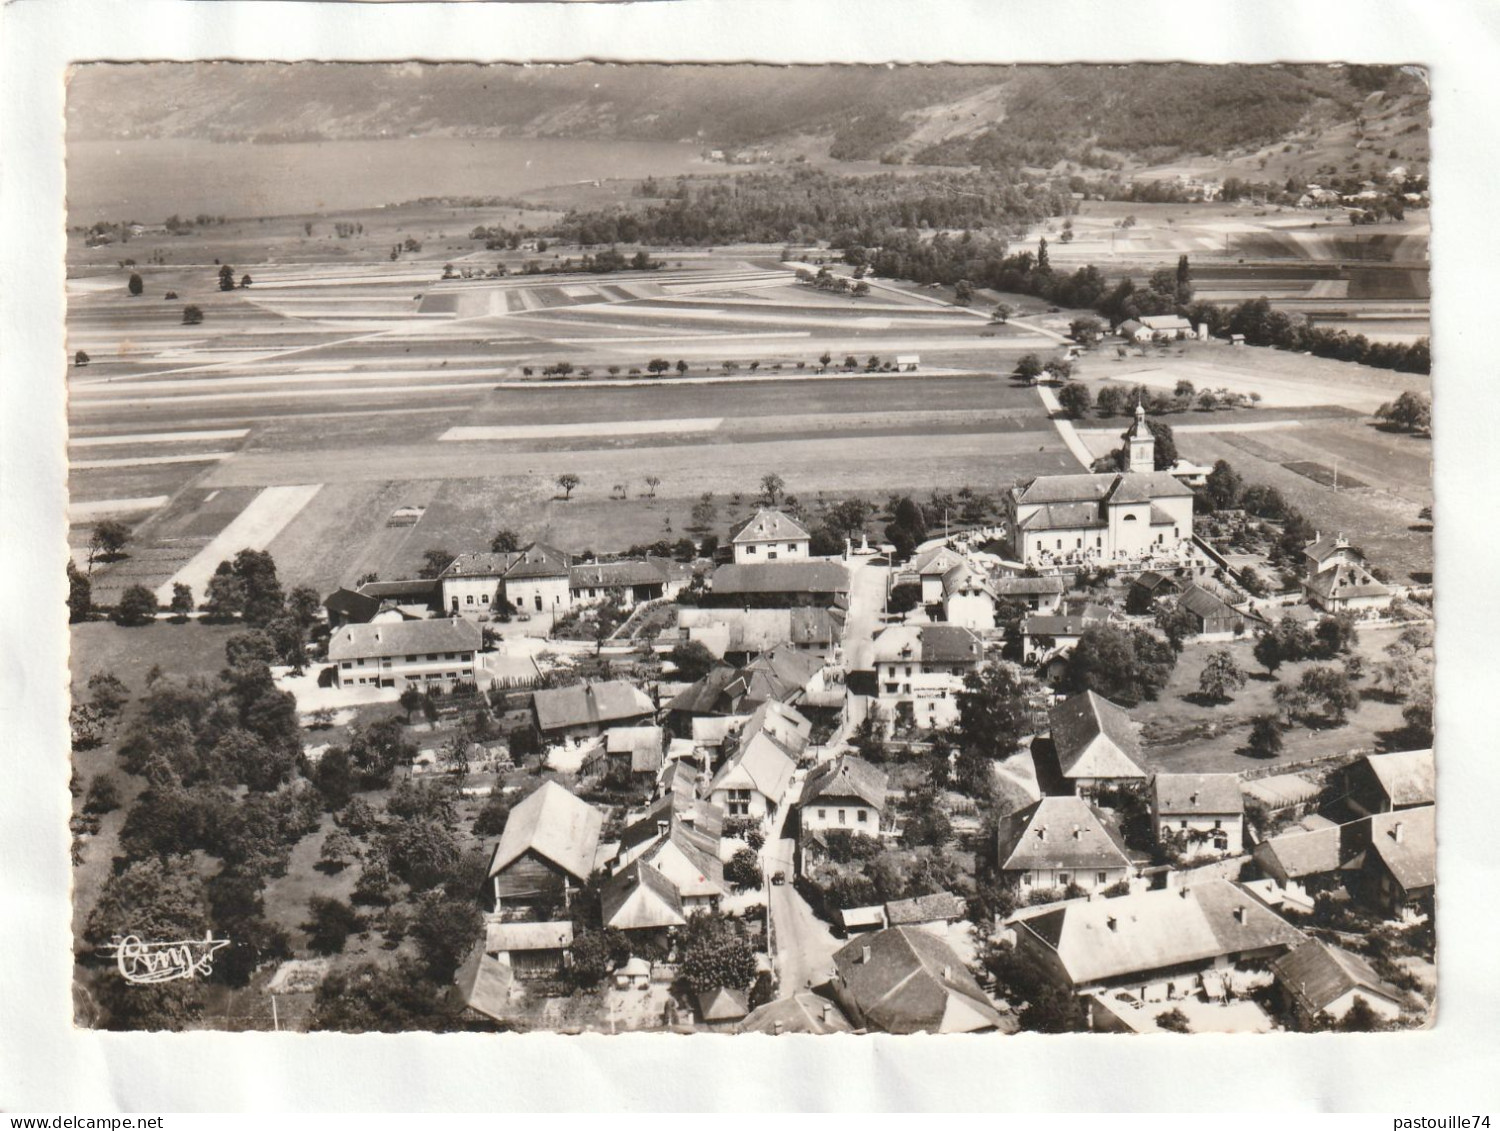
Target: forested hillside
x,y
994,116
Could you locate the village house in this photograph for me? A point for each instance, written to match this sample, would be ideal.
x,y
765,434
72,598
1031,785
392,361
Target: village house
x,y
531,950
1385,783
1039,594
1338,580
1156,946
753,781
1211,616
1320,981
739,635
920,669
722,1008
642,902
424,653
1047,638
473,583
1301,862
1133,330
1059,842
769,535
905,980
483,988
1111,518
969,600
779,585
782,676
1167,327
1093,743
802,1012
571,715
625,583
1397,867
847,793
1151,586
934,912
539,581
546,852
635,752
1201,814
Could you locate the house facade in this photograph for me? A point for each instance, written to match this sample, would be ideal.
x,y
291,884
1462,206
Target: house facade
x,y
1199,814
1339,580
1059,842
770,535
847,793
545,853
584,711
921,668
1095,744
906,980
423,653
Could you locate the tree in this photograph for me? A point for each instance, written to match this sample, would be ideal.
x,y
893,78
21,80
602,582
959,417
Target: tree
x,y
435,561
714,954
226,278
861,289
903,598
1221,489
1127,666
1086,330
182,601
772,487
1335,635
156,897
1266,736
491,819
1002,312
445,929
379,998
225,595
1329,687
1221,676
411,700
135,285
652,483
80,595
331,923
658,365
596,954
505,541
1176,624
1029,368
191,315
992,714
108,541
963,292
107,693
421,852
681,367
692,659
1285,643
1410,412
80,359
245,281
743,870
1076,400
1173,1020
137,607
568,481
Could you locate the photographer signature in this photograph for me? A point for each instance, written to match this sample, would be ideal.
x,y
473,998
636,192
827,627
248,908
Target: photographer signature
x,y
146,963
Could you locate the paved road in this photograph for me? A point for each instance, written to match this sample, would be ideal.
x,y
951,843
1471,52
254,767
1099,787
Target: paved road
x,y
804,943
866,603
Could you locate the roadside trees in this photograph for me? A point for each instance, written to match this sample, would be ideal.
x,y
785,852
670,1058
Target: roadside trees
x,y
137,607
1076,400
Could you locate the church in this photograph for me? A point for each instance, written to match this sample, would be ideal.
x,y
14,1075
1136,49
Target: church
x,y
1135,516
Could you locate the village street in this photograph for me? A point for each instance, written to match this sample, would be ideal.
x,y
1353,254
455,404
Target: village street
x,y
867,583
804,943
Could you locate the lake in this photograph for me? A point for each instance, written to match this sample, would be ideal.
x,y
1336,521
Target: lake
x,y
149,179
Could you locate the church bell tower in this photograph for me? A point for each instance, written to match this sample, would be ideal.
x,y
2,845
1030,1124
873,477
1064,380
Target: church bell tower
x,y
1141,443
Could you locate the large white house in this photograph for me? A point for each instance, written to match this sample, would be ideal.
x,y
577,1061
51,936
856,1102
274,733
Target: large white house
x,y
769,536
922,668
1108,518
425,652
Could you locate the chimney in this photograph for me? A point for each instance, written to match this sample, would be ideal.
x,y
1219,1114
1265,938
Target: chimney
x,y
1182,892
1112,923
864,955
1192,799
1041,833
1398,832
661,828
778,1027
947,973
1077,833
827,1012
1239,913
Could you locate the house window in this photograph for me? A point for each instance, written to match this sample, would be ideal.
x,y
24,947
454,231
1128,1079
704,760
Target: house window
x,y
1101,878
1059,543
411,659
1183,824
1026,879
468,598
1130,518
738,803
822,814
1218,824
790,548
347,665
538,602
843,817
1063,879
455,602
484,598
771,555
749,549
892,688
863,816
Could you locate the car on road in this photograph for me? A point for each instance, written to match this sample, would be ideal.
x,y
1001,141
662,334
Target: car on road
x,y
778,878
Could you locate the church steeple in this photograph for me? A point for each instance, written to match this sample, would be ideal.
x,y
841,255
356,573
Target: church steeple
x,y
1141,443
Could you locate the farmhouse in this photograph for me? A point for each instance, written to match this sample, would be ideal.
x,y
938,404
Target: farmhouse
x,y
754,780
1059,842
738,635
423,652
585,710
1322,981
905,980
932,912
768,536
625,583
1095,744
546,851
642,901
774,585
381,600
1212,617
635,752
920,668
803,1012
1397,868
1199,813
1156,945
531,950
1294,858
1138,515
1133,330
1385,783
847,793
782,676
472,583
1338,578
539,580
1046,637
1039,594
1167,327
